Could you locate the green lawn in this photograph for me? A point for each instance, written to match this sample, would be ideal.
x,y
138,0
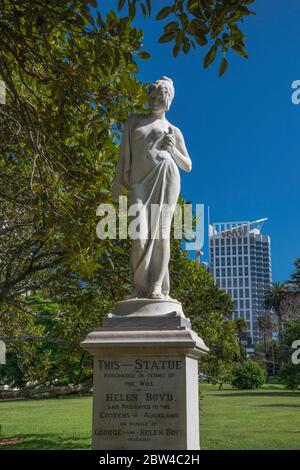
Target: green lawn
x,y
268,418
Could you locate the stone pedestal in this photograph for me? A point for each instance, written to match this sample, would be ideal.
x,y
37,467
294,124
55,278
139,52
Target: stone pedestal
x,y
145,379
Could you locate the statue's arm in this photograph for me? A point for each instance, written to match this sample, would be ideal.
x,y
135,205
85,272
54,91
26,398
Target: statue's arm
x,y
180,153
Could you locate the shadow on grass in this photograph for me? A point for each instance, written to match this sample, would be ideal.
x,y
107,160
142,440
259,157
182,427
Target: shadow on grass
x,y
278,405
37,399
48,442
271,393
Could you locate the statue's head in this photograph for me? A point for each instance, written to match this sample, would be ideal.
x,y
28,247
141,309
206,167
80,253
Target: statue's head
x,y
161,94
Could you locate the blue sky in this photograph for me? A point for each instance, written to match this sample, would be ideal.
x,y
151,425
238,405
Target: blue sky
x,y
241,130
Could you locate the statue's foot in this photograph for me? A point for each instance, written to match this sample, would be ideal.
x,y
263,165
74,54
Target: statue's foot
x,y
156,294
168,297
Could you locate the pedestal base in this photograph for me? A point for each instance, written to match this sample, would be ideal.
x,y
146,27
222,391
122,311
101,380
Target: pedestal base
x,y
145,384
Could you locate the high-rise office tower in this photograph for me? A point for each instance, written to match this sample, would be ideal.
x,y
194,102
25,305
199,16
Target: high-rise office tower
x,y
240,262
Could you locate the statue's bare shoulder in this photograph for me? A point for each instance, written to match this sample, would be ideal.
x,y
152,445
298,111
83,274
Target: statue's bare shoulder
x,y
176,131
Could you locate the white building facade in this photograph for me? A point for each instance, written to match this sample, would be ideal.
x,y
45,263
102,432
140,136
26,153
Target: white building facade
x,y
240,262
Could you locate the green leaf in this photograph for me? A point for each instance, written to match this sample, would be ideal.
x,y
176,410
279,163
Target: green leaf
x,y
201,39
144,11
210,56
40,236
240,51
100,21
180,38
199,24
223,66
144,55
167,37
192,4
132,9
173,26
163,13
176,50
149,6
119,249
121,4
186,46
104,190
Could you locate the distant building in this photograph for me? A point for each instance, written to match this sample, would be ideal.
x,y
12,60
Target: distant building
x,y
240,262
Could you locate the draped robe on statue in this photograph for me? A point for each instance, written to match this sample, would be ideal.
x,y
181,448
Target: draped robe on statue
x,y
151,176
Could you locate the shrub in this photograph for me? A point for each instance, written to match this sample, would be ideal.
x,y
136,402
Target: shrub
x,y
248,375
290,376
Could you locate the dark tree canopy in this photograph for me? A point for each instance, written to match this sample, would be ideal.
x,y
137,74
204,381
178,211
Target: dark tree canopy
x,y
70,76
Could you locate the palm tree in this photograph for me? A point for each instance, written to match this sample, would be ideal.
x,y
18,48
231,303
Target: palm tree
x,y
266,327
295,278
241,328
273,300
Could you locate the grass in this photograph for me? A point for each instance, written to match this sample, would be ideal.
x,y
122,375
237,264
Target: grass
x,y
268,418
47,424
264,419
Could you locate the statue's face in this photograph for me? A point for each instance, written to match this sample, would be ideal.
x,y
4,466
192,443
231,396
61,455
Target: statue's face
x,y
160,99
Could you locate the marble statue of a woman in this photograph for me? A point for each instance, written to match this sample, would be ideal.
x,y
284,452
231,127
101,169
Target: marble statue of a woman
x,y
151,151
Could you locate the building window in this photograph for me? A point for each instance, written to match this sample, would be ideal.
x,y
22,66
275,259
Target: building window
x,y
234,261
223,282
229,283
223,272
223,261
228,271
241,293
234,272
246,281
240,271
235,293
245,259
217,261
247,293
247,303
246,271
228,261
245,250
241,282
218,272
240,260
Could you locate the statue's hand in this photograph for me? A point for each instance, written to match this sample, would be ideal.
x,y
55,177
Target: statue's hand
x,y
168,142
